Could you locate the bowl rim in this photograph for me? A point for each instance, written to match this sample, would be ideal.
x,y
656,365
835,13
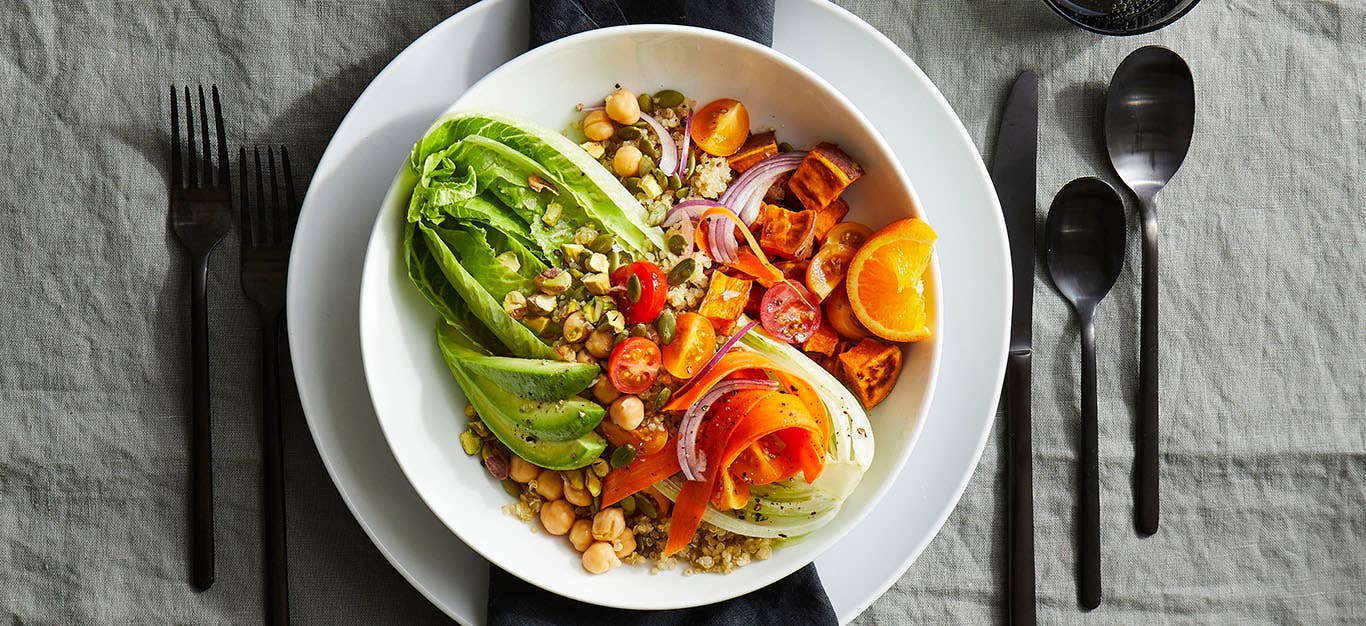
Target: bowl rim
x,y
850,519
1158,25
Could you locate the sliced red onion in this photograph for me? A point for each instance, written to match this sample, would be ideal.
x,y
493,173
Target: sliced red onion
x,y
596,107
668,150
721,243
683,153
687,212
690,459
746,193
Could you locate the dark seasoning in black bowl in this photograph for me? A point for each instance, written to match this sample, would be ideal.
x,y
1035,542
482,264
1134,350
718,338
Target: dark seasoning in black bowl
x,y
1121,17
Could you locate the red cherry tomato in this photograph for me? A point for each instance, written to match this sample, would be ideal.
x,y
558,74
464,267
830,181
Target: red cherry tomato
x,y
654,287
634,365
789,312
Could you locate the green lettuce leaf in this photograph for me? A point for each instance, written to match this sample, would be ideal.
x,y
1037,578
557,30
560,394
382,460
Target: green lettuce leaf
x,y
425,272
472,248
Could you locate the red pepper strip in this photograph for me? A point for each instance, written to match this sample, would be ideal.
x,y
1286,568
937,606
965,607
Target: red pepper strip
x,y
725,436
643,472
751,261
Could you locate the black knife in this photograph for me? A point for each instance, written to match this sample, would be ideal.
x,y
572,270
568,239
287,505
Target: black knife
x,y
1013,171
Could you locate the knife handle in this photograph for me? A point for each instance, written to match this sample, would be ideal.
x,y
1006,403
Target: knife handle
x,y
1020,492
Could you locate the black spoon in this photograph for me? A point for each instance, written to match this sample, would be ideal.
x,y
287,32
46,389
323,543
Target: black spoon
x,y
1149,120
1084,248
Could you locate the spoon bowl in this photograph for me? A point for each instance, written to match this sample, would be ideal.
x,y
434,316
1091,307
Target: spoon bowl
x,y
1149,121
1084,249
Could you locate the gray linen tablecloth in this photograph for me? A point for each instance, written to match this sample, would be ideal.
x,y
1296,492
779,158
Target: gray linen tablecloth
x,y
1264,288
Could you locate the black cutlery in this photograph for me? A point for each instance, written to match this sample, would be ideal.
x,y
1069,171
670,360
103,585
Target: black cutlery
x,y
200,215
1149,121
267,231
1084,244
1013,173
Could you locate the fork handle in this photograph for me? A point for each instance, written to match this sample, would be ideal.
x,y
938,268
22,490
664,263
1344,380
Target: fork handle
x,y
272,439
201,470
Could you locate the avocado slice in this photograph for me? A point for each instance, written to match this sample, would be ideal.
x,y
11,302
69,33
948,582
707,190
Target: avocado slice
x,y
554,435
535,379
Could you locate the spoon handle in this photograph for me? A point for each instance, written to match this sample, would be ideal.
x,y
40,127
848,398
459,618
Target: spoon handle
x,y
1088,526
1146,474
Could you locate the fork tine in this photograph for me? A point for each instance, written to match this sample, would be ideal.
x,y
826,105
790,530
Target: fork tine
x,y
224,165
206,176
176,181
191,164
277,211
244,201
291,204
261,207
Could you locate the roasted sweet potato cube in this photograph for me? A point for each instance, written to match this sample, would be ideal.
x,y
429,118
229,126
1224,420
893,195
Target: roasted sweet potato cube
x,y
827,217
787,234
871,369
725,300
777,192
823,341
756,148
823,175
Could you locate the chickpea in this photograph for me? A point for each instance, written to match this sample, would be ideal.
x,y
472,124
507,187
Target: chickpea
x,y
601,342
557,517
604,391
624,544
608,524
627,412
550,485
623,107
597,126
626,162
577,496
565,352
600,558
585,357
522,470
581,534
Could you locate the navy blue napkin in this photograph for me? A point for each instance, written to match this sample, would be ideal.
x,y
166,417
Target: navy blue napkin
x,y
799,599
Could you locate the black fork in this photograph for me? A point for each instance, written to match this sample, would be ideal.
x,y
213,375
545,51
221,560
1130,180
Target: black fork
x,y
267,230
201,214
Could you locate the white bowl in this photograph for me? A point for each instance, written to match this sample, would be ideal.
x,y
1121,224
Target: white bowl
x,y
419,405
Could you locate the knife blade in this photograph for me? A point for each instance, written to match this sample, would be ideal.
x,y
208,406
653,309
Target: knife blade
x,y
1013,172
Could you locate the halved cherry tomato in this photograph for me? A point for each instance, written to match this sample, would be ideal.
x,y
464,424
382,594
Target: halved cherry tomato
x,y
654,287
634,365
721,127
840,315
694,343
828,268
789,312
648,438
851,234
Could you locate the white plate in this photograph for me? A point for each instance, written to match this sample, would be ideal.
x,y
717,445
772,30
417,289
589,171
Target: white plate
x,y
348,184
420,406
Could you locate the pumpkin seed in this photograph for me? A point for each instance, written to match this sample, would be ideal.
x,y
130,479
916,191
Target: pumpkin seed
x,y
628,506
632,184
692,163
660,176
642,125
682,271
600,467
602,243
647,166
674,181
668,98
621,457
663,398
677,243
647,506
667,324
785,147
648,149
681,194
633,288
628,132
647,104
594,484
513,489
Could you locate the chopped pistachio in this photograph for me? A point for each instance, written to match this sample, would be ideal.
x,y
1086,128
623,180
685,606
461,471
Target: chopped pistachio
x,y
593,148
575,327
574,477
514,304
603,243
597,284
598,263
470,442
616,321
571,252
552,214
554,281
470,412
585,235
576,273
593,483
600,467
592,311
537,324
656,215
650,187
480,429
620,258
541,304
509,260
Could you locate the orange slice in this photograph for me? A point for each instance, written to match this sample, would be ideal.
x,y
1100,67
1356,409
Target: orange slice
x,y
885,280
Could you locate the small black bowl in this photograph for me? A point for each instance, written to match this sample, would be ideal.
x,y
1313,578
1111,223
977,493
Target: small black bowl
x,y
1121,17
